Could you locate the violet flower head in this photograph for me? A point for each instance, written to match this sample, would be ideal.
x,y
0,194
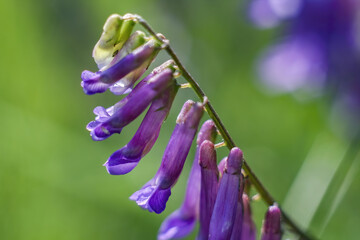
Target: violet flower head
x,y
113,119
271,229
127,158
224,213
154,195
209,186
182,221
102,80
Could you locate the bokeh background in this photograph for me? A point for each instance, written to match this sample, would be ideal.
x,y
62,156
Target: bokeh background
x,y
52,182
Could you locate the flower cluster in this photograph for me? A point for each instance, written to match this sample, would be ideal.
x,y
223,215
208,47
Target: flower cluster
x,y
215,196
319,50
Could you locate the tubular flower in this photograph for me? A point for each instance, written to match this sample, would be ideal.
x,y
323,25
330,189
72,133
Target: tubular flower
x,y
113,119
209,186
100,81
238,225
248,227
224,213
271,229
154,195
182,221
126,159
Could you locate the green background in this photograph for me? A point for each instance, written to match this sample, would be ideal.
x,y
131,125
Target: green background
x,y
52,182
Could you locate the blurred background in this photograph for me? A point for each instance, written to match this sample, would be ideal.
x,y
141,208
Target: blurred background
x,y
52,182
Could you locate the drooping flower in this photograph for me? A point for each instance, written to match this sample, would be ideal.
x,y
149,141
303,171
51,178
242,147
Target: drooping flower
x,y
224,213
126,159
209,186
137,61
154,195
271,229
113,119
182,221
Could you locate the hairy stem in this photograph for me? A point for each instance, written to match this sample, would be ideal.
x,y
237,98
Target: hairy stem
x,y
265,195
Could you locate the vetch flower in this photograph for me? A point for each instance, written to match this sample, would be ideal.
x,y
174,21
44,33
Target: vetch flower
x,y
209,186
224,213
113,119
100,81
126,159
248,231
182,221
238,225
271,229
154,195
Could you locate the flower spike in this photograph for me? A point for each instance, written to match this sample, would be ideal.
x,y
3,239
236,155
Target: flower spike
x,y
113,119
154,195
126,159
224,213
182,221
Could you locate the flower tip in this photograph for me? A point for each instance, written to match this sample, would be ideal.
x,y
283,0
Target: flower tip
x,y
151,198
271,228
118,164
207,132
207,155
234,161
91,83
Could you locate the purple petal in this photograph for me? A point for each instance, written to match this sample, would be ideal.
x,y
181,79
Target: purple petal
x,y
176,226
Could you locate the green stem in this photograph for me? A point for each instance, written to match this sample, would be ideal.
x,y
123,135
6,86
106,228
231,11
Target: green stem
x,y
220,126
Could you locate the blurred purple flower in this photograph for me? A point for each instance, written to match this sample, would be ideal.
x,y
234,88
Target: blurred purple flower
x,y
248,227
154,195
319,51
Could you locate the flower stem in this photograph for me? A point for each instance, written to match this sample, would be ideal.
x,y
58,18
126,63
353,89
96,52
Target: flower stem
x,y
220,126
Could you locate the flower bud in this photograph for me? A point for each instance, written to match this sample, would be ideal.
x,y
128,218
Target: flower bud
x,y
248,231
209,186
224,213
271,229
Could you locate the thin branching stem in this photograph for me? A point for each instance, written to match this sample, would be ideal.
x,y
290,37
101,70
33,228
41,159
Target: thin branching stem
x,y
265,195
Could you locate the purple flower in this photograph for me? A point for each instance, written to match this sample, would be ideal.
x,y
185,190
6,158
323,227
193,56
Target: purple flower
x,y
126,159
271,229
182,221
113,119
154,195
100,81
209,186
238,225
224,213
248,231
